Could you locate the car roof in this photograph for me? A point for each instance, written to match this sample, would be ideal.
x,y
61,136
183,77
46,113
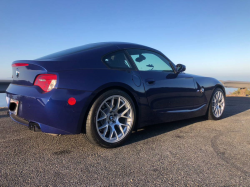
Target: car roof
x,y
125,45
95,46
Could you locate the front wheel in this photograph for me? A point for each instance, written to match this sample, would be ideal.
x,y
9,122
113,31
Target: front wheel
x,y
111,119
217,105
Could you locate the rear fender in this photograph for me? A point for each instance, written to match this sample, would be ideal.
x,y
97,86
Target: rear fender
x,y
138,98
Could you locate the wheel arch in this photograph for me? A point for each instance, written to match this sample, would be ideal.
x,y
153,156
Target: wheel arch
x,y
99,92
219,85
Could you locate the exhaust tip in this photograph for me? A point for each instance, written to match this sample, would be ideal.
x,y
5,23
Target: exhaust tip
x,y
34,126
12,107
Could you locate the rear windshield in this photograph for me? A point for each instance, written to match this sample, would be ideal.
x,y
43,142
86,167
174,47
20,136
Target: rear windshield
x,y
73,50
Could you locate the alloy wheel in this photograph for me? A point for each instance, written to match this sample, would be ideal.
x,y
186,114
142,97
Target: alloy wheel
x,y
114,119
218,104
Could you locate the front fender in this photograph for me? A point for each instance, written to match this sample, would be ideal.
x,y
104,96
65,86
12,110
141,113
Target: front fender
x,y
209,84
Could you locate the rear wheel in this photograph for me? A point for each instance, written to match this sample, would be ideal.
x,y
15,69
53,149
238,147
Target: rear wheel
x,y
217,105
111,119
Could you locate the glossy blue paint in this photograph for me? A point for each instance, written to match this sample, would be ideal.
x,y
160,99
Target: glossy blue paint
x,y
83,75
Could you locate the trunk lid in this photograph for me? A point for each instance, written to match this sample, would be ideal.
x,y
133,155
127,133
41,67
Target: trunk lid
x,y
24,72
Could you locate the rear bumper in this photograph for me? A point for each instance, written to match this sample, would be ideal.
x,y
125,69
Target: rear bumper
x,y
32,126
51,110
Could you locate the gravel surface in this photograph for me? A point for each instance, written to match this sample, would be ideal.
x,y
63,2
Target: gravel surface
x,y
185,153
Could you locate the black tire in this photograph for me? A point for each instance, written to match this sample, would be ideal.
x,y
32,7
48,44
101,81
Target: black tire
x,y
91,128
210,115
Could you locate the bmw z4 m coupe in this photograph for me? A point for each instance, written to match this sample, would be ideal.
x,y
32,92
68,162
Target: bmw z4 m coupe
x,y
105,90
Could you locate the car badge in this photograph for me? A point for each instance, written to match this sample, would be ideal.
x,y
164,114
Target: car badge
x,y
17,73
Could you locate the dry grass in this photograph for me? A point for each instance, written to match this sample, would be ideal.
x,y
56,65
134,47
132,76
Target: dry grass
x,y
241,92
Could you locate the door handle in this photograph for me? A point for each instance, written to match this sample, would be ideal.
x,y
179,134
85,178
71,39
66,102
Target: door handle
x,y
150,81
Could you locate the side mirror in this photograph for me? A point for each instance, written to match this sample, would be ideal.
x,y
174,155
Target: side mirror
x,y
180,68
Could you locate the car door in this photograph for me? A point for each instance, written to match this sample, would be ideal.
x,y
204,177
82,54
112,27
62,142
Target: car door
x,y
166,90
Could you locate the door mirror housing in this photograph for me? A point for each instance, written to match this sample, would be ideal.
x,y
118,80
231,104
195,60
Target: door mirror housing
x,y
180,68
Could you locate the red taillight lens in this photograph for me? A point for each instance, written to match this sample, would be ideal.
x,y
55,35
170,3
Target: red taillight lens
x,y
19,64
46,81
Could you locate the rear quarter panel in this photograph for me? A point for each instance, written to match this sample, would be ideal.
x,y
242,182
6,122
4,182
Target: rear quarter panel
x,y
98,80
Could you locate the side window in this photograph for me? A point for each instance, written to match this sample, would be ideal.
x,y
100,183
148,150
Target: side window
x,y
117,60
149,61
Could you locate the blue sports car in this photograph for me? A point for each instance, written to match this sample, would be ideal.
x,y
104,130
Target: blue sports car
x,y
106,90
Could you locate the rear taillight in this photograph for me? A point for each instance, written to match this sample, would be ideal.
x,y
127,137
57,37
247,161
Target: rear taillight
x,y
19,64
46,81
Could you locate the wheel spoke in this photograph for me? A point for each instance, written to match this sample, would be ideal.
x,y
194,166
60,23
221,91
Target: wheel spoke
x,y
223,105
102,118
126,117
218,95
103,113
112,102
122,105
222,101
116,134
111,134
121,129
105,131
103,126
108,106
125,111
126,125
118,103
220,111
216,111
